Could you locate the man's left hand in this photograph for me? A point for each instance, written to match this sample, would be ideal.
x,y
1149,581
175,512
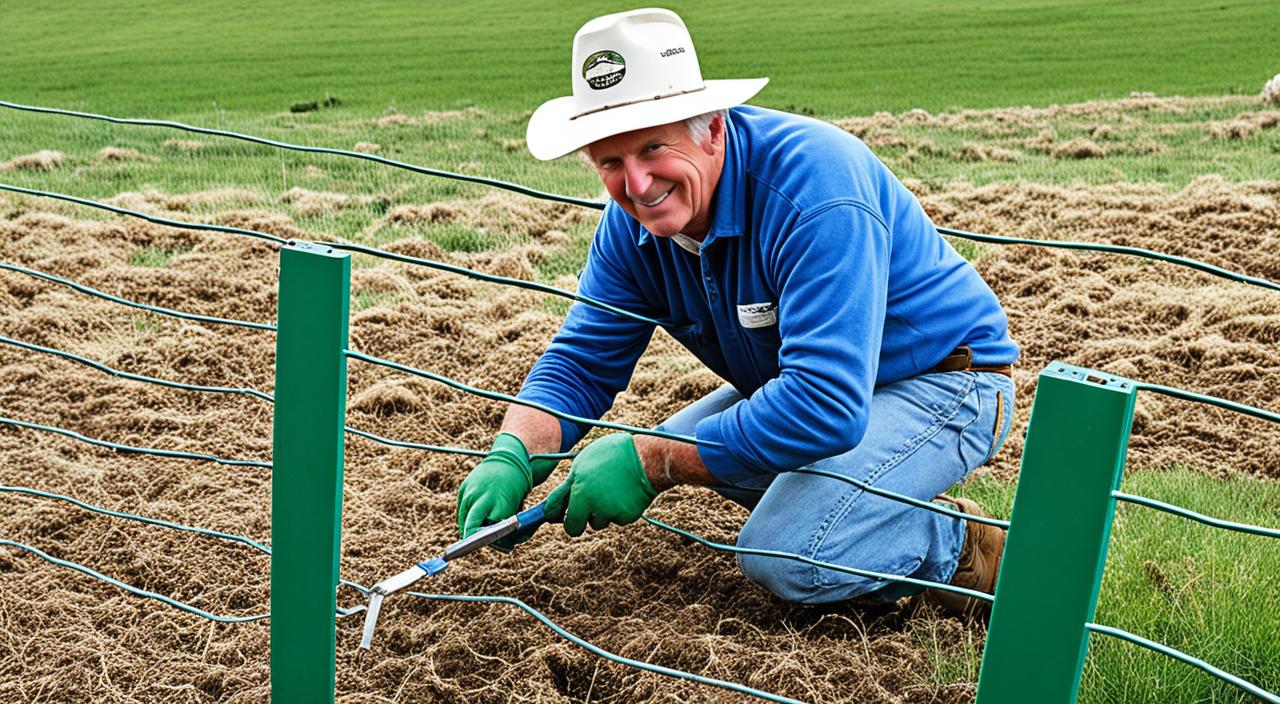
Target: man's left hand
x,y
606,484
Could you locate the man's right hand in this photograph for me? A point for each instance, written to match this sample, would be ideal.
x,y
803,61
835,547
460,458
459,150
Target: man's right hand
x,y
495,489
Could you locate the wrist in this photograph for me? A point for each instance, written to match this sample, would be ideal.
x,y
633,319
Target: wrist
x,y
510,449
655,459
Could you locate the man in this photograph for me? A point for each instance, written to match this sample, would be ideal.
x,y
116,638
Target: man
x,y
791,262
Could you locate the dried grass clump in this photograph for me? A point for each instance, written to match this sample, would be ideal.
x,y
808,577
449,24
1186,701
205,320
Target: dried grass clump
x,y
155,201
977,151
410,214
385,399
397,119
43,160
368,147
1244,125
310,203
182,145
120,154
1078,149
1271,91
493,212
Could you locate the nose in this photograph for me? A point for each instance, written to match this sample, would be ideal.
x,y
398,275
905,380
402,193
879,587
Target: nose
x,y
638,178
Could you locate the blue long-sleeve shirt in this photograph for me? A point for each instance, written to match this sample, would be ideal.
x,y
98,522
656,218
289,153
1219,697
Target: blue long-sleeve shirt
x,y
820,278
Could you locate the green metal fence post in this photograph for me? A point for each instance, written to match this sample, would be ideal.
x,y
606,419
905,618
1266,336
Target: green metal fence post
x,y
1057,545
306,477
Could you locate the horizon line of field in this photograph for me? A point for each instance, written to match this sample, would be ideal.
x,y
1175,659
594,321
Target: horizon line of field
x,y
988,238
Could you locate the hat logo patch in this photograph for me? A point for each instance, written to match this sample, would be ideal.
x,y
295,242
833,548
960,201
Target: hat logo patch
x,y
604,69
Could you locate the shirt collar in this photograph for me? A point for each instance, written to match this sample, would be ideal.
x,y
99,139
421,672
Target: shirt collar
x,y
730,205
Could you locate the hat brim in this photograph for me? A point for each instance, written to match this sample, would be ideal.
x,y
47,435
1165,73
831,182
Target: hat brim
x,y
554,132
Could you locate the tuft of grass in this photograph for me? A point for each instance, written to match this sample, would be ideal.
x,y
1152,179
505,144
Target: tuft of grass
x,y
155,257
146,324
364,299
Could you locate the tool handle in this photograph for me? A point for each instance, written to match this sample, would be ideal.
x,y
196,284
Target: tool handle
x,y
530,520
533,516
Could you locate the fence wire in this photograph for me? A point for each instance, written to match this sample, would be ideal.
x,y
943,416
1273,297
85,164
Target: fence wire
x,y
259,395
495,396
130,448
130,588
133,304
361,249
1199,517
145,216
869,574
1210,400
515,187
1180,656
140,519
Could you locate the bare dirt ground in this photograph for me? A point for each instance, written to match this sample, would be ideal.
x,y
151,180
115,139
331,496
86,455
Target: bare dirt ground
x,y
638,591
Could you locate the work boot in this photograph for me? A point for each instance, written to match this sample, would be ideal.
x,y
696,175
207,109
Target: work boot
x,y
978,565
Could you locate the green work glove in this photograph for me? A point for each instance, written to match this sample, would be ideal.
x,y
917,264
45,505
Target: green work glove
x,y
606,484
497,487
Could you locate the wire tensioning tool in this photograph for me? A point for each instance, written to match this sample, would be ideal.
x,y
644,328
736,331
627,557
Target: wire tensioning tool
x,y
521,526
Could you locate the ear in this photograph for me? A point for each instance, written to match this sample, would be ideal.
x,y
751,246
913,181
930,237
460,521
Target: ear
x,y
715,136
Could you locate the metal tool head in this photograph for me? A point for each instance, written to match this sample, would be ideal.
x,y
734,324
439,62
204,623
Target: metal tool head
x,y
390,586
482,537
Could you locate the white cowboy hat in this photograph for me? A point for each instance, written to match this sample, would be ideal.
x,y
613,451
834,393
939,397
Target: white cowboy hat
x,y
631,70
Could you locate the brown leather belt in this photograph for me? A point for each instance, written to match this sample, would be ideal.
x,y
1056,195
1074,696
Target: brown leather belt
x,y
961,360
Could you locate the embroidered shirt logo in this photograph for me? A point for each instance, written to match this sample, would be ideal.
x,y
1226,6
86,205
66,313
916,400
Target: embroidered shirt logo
x,y
758,315
672,52
604,69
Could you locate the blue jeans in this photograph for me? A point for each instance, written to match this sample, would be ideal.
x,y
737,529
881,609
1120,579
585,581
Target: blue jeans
x,y
924,434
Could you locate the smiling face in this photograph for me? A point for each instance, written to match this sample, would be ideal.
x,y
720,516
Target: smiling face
x,y
661,177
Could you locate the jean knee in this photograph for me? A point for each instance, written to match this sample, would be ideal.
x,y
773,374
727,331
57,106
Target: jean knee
x,y
789,580
798,581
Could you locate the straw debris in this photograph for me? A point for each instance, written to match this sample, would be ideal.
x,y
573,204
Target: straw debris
x,y
120,154
1244,125
43,160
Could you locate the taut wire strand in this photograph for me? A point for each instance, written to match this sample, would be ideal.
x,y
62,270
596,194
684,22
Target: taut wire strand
x,y
601,652
491,278
495,396
130,375
263,396
132,589
517,188
903,498
134,304
1180,656
879,576
1211,400
149,218
1199,517
372,251
1118,249
129,448
141,519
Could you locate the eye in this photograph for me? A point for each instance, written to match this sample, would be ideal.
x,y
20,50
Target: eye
x,y
653,147
608,163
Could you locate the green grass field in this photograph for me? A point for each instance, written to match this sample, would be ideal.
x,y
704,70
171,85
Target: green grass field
x,y
466,76
235,57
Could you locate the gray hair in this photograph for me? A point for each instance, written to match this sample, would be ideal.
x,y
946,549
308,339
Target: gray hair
x,y
698,126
